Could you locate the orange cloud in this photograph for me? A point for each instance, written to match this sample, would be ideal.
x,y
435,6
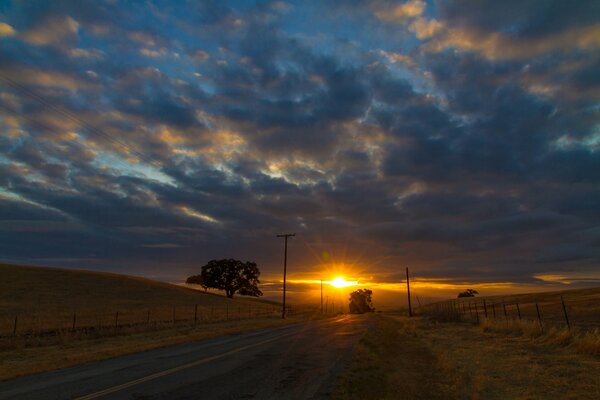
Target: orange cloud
x,y
24,75
54,31
496,45
401,12
424,29
6,30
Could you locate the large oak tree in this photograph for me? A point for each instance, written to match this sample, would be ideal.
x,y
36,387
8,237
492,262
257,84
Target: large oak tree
x,y
230,275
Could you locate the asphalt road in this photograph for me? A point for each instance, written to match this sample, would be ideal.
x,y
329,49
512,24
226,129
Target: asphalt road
x,y
293,362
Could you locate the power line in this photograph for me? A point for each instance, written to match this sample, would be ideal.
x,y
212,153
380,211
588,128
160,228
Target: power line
x,y
69,115
52,129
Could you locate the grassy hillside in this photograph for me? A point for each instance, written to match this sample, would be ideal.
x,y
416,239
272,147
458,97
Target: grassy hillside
x,y
42,296
582,306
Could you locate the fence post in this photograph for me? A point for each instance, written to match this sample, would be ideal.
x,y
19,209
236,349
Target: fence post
x,y
116,321
485,308
15,325
537,308
226,312
74,319
565,311
505,314
476,312
494,309
148,318
519,311
195,313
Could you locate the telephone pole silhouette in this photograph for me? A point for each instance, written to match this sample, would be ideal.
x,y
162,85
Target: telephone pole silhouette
x,y
321,296
408,293
285,236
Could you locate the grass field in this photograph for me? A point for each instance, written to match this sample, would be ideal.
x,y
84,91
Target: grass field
x,y
582,307
402,358
45,299
63,351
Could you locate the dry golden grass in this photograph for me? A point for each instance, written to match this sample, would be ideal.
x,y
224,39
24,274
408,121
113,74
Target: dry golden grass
x,y
581,341
46,299
20,360
582,305
404,358
392,362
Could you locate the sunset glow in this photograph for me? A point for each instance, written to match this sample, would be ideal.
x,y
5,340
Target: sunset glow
x,y
340,282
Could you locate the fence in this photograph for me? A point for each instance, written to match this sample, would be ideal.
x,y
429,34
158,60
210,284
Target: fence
x,y
116,321
580,312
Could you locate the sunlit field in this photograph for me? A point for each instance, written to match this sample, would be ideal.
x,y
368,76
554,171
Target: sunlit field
x,y
151,314
46,299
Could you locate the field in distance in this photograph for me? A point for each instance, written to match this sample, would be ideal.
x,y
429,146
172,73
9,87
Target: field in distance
x,y
50,298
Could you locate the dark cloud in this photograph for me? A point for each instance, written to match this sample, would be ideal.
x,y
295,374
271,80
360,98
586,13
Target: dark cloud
x,y
527,18
170,134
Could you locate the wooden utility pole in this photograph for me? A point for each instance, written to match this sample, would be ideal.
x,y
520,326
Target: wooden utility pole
x,y
285,236
321,296
408,293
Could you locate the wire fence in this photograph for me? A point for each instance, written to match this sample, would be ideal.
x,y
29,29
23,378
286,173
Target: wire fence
x,y
124,320
581,312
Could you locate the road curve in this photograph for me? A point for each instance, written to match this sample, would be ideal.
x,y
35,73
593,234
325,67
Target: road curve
x,y
293,362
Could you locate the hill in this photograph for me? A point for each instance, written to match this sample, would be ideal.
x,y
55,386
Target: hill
x,y
582,306
42,297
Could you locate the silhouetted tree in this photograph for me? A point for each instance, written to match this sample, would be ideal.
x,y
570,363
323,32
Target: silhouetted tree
x,y
232,276
196,280
360,301
468,293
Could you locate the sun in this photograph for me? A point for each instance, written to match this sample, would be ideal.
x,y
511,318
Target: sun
x,y
340,282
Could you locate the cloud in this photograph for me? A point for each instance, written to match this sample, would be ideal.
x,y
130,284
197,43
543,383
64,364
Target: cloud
x,y
495,45
400,12
86,53
162,52
199,55
6,30
424,28
459,141
52,31
398,58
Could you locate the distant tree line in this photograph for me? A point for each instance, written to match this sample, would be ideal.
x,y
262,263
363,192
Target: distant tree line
x,y
468,293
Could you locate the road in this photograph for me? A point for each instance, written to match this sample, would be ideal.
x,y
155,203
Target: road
x,y
297,361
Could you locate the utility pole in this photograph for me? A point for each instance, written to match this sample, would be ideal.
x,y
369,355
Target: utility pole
x,y
408,291
321,296
285,236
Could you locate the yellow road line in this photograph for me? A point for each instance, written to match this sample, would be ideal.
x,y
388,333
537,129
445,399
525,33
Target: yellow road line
x,y
175,369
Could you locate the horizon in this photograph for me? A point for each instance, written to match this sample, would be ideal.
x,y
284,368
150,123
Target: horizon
x,y
458,139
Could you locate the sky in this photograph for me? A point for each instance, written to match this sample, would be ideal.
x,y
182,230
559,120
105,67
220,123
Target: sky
x,y
458,138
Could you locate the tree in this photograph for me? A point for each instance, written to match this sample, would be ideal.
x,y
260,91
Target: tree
x,y
468,293
360,301
232,276
196,280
